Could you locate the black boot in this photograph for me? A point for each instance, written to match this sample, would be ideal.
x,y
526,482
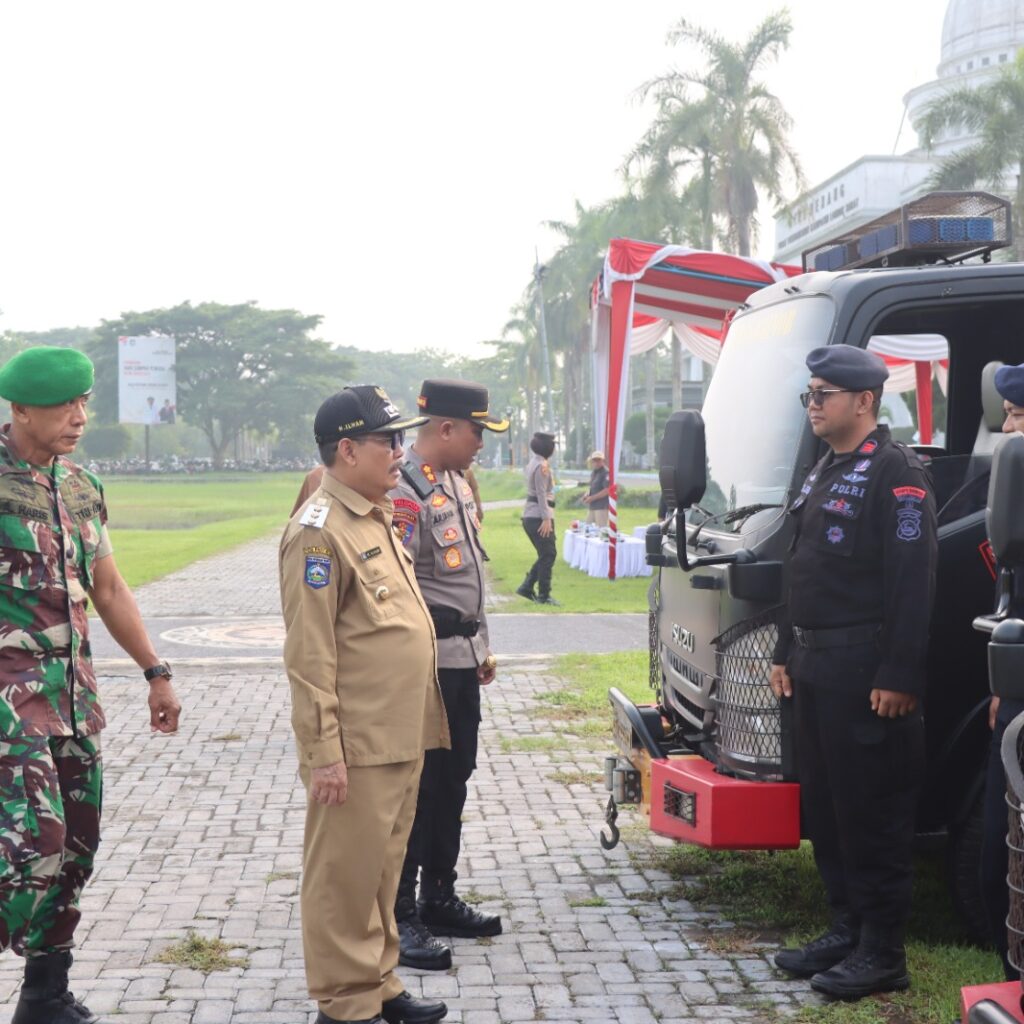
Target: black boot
x,y
548,599
45,998
823,952
419,949
445,914
404,1009
878,964
525,589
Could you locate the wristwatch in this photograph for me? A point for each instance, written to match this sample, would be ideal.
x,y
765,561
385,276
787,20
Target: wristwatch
x,y
161,670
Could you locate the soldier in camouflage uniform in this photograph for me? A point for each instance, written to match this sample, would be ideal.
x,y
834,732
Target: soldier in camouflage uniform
x,y
55,554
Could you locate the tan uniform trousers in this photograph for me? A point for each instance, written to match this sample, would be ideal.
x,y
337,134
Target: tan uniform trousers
x,y
599,516
352,858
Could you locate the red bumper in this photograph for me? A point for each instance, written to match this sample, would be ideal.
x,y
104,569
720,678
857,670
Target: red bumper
x,y
1006,994
691,802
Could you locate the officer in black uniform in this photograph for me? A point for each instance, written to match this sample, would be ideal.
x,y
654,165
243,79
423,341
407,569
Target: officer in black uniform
x,y
851,655
1009,382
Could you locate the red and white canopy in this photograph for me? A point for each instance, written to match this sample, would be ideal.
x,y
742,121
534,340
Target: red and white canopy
x,y
646,289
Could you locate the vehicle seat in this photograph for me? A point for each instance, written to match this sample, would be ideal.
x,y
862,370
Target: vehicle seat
x,y
972,493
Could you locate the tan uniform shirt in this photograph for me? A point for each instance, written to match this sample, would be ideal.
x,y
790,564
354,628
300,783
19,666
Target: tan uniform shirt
x,y
539,489
359,647
442,534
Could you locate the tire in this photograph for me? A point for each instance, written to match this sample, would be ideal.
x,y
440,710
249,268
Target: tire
x,y
964,871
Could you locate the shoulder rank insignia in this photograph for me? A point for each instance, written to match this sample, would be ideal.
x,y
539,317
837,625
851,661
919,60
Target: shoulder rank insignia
x,y
315,515
420,480
438,501
868,448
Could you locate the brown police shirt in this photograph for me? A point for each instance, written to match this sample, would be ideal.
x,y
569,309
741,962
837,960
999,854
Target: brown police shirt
x,y
359,646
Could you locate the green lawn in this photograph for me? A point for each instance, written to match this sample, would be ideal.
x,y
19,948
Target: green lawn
x,y
161,524
511,554
779,895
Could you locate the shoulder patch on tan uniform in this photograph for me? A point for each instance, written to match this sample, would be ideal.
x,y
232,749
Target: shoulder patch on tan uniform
x,y
315,515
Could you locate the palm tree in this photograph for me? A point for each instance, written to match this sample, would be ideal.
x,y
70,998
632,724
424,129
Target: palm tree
x,y
995,113
726,127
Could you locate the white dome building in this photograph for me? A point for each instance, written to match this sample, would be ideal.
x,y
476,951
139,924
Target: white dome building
x,y
978,37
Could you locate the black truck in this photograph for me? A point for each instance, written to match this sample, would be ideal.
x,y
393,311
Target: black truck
x,y
710,758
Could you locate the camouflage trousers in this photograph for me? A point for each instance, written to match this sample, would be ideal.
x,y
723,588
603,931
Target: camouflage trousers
x,y
50,799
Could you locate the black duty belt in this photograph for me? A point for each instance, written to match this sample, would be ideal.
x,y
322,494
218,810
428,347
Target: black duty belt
x,y
843,636
448,623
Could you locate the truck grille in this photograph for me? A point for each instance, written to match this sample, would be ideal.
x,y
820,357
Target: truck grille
x,y
749,730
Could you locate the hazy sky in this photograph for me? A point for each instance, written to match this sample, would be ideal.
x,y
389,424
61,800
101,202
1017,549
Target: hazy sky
x,y
387,165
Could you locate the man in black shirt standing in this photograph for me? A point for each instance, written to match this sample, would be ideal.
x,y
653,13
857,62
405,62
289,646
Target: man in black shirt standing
x,y
851,655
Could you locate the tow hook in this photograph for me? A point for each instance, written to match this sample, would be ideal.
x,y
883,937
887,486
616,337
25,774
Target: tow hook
x,y
610,815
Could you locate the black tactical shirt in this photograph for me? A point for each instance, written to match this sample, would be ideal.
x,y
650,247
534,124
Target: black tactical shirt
x,y
864,553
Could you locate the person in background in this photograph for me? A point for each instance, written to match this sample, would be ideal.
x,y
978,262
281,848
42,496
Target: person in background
x,y
539,520
596,499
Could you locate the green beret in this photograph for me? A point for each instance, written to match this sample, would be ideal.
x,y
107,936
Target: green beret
x,y
46,375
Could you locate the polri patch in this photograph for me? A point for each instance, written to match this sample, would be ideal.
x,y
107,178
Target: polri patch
x,y
834,534
453,558
908,514
365,556
451,534
318,571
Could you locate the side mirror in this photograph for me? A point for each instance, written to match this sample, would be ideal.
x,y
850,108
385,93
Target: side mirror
x,y
1005,501
682,462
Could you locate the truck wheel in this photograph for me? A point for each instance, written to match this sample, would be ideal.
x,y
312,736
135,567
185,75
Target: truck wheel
x,y
964,868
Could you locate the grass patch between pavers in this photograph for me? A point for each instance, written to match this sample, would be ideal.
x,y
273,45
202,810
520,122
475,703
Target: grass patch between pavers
x,y
200,954
589,901
575,777
779,895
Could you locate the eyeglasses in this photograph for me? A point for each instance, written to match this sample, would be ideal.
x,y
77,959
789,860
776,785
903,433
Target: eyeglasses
x,y
818,395
394,440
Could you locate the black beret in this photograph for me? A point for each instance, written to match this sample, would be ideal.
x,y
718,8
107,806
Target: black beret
x,y
1010,383
848,367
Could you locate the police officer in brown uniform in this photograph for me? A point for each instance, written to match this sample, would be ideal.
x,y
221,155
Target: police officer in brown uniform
x,y
361,659
437,520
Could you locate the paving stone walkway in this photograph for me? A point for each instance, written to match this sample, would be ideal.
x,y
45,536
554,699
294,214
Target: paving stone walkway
x,y
203,833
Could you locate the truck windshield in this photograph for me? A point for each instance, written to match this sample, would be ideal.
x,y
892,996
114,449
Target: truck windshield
x,y
752,411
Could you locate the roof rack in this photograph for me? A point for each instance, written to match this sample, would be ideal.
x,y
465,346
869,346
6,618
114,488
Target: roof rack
x,y
937,227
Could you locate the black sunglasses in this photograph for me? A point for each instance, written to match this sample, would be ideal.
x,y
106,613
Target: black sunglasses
x,y
818,395
395,439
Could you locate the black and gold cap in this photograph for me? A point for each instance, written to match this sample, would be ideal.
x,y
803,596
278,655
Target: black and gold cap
x,y
362,409
461,400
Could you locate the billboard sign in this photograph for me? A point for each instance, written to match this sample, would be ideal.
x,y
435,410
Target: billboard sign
x,y
146,389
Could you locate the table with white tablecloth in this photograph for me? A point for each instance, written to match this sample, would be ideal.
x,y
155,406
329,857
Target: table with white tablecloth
x,y
589,554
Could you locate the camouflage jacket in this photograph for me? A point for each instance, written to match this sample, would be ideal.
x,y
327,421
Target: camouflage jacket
x,y
52,530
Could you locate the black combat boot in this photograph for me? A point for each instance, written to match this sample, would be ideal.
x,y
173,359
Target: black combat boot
x,y
823,952
419,949
445,914
405,1009
878,964
45,998
548,599
525,589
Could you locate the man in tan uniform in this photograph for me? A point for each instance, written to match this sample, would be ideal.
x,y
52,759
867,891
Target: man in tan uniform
x,y
361,659
437,519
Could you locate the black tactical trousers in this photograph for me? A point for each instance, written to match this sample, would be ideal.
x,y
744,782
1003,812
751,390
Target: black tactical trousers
x,y
995,860
859,780
437,828
540,571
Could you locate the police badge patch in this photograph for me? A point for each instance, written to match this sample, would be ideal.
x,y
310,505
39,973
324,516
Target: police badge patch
x,y
908,513
318,571
834,534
